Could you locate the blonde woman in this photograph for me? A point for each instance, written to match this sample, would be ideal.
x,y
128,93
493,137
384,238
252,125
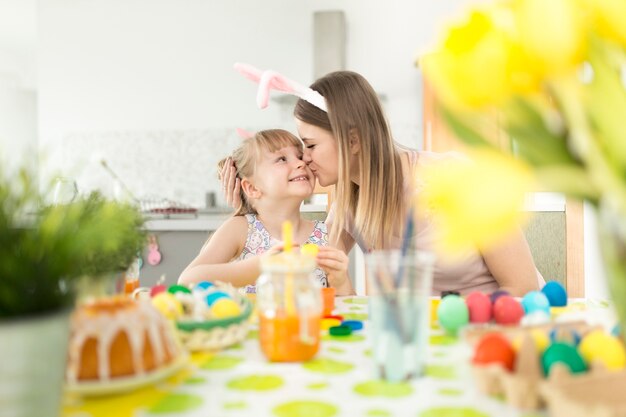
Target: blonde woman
x,y
347,143
274,181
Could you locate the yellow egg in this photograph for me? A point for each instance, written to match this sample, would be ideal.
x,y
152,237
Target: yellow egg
x,y
225,307
598,346
168,305
539,337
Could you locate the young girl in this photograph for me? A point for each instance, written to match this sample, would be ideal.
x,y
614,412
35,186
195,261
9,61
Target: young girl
x,y
273,183
348,144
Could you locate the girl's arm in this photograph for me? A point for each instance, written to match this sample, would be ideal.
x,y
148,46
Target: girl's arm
x,y
213,261
512,265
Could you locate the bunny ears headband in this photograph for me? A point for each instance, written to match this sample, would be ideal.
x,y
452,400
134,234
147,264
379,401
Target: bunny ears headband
x,y
269,80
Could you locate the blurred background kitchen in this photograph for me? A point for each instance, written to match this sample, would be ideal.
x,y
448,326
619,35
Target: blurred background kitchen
x,y
147,86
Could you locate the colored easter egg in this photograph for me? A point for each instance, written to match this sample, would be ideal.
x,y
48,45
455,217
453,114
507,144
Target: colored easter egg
x,y
557,296
168,305
540,339
214,296
157,289
494,348
497,294
535,318
479,306
507,310
340,330
203,286
559,352
570,336
452,313
598,346
535,301
616,331
225,307
178,288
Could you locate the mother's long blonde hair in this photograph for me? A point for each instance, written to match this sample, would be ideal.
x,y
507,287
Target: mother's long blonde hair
x,y
378,204
247,155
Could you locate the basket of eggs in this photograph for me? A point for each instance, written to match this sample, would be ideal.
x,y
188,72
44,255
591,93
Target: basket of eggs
x,y
209,316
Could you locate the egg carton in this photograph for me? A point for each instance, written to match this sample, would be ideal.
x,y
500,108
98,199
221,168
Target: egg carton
x,y
597,392
473,333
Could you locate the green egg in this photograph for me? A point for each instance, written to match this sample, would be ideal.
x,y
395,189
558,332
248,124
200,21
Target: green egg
x,y
178,288
559,352
452,313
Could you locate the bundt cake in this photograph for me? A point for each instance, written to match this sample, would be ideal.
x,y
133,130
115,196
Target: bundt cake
x,y
118,337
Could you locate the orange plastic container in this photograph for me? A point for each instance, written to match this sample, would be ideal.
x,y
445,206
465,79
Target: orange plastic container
x,y
130,285
328,297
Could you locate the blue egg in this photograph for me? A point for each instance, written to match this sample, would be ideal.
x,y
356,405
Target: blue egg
x,y
568,336
203,286
616,331
214,296
536,301
556,294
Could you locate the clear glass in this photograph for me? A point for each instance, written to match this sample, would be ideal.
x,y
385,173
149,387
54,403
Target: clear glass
x,y
289,305
65,191
399,290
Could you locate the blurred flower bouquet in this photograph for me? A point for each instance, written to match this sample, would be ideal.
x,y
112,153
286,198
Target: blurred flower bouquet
x,y
551,75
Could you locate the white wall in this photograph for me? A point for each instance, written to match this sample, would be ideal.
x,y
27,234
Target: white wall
x,y
18,98
113,68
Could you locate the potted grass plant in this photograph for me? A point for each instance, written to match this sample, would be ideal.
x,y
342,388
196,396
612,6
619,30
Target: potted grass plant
x,y
44,252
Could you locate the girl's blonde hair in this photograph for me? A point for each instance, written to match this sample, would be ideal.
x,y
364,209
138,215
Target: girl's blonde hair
x,y
377,206
246,156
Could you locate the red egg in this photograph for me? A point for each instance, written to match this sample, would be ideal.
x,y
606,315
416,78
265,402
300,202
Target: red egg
x,y
157,289
479,305
494,348
507,310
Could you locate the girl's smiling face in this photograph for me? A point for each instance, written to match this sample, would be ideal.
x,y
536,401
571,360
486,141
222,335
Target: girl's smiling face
x,y
284,173
320,152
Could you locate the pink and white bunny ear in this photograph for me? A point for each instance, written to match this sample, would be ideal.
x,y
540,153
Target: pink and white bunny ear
x,y
243,133
269,80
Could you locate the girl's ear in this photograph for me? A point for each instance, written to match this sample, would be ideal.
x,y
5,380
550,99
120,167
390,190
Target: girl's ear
x,y
355,141
250,190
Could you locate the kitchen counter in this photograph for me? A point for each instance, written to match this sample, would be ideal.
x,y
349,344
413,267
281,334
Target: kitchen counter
x,y
205,220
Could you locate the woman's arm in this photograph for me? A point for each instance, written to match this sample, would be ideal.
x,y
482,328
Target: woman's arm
x,y
213,261
512,265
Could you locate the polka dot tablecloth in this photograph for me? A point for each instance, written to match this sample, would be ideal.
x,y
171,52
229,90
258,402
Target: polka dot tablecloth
x,y
338,382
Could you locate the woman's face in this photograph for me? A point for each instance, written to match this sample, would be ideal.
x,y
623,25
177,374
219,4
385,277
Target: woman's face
x,y
320,152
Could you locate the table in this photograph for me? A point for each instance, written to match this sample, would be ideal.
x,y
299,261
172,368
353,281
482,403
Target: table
x,y
338,382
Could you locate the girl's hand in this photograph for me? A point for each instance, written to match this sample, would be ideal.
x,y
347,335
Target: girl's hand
x,y
335,263
230,184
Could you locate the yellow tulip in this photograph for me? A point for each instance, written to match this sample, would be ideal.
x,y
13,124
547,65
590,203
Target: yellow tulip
x,y
552,35
609,18
474,203
470,68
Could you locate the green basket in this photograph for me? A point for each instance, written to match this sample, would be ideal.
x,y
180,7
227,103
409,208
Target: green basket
x,y
215,334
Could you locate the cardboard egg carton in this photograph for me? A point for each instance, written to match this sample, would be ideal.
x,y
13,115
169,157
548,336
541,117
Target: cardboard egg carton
x,y
519,388
597,392
473,333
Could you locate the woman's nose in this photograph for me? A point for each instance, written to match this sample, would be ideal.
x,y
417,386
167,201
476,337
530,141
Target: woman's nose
x,y
306,156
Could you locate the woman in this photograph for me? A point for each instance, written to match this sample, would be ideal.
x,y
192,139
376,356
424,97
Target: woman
x,y
350,146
